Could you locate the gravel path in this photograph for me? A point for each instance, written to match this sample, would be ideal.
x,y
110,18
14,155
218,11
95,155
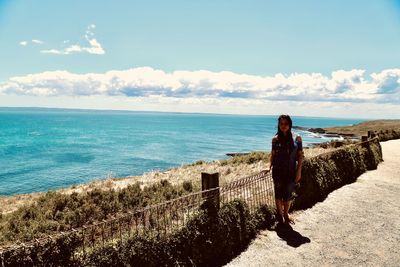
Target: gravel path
x,y
356,225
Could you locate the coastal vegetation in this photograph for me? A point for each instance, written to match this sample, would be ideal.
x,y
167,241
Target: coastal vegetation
x,y
384,127
230,169
329,171
210,238
55,212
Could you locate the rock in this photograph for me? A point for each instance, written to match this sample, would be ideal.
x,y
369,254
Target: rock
x,y
299,128
331,135
237,154
316,130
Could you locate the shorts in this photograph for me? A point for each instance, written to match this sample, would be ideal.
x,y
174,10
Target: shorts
x,y
285,190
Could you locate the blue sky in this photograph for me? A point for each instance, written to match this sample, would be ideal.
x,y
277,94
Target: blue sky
x,y
256,38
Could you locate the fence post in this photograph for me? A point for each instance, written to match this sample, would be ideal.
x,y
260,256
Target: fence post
x,y
210,181
371,134
364,138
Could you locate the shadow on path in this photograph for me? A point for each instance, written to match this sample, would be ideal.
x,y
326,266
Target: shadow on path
x,y
292,237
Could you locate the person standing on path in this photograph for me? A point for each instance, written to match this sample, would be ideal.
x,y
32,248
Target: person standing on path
x,y
286,162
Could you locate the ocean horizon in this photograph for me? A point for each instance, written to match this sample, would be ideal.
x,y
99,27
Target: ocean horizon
x,y
46,148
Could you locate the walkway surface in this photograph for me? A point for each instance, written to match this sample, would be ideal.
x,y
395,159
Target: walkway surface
x,y
356,225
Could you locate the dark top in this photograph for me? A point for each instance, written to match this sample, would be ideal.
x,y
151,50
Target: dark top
x,y
284,162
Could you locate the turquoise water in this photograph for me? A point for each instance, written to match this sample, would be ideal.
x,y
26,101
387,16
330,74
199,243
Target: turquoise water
x,y
43,149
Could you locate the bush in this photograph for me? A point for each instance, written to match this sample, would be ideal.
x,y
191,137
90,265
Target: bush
x,y
187,186
55,252
210,238
249,158
324,173
388,135
55,211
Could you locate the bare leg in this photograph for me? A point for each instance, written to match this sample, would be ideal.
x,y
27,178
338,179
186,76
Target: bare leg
x,y
279,209
286,207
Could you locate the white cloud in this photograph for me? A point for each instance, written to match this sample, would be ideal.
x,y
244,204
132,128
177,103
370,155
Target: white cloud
x,y
36,41
95,47
352,86
92,47
51,51
389,81
33,41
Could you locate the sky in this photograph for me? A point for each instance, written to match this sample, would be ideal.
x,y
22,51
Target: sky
x,y
306,58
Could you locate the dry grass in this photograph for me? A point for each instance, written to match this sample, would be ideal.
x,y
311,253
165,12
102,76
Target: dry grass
x,y
363,127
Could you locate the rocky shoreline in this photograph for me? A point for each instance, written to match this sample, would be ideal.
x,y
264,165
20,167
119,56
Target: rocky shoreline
x,y
321,132
318,133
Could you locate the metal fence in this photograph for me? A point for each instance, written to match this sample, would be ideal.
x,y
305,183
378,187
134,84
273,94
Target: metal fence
x,y
164,218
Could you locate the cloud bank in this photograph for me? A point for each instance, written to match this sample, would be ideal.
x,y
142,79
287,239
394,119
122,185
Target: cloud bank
x,y
352,86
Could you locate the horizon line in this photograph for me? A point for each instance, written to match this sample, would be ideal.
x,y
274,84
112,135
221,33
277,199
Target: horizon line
x,y
182,112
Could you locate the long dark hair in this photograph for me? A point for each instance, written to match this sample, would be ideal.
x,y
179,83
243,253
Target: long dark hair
x,y
281,137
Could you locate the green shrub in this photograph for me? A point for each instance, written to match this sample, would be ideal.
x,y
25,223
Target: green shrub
x,y
55,252
198,162
324,173
187,186
388,135
55,211
252,157
210,238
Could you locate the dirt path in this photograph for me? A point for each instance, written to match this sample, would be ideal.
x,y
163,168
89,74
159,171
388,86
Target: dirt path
x,y
356,225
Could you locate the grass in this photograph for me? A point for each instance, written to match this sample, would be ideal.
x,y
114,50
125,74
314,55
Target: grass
x,y
363,127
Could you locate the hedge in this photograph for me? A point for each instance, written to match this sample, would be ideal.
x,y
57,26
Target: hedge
x,y
388,135
210,238
325,173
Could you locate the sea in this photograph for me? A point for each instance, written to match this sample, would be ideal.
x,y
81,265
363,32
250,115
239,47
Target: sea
x,y
43,149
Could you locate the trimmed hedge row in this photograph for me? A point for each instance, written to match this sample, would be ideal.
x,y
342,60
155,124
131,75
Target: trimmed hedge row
x,y
325,173
211,238
388,135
